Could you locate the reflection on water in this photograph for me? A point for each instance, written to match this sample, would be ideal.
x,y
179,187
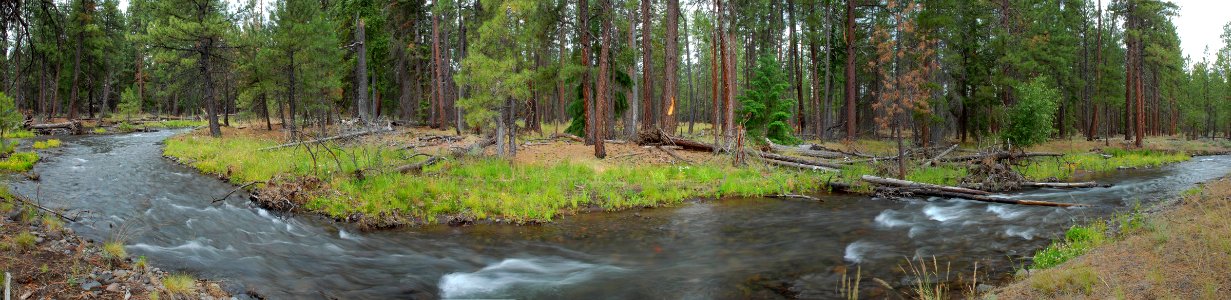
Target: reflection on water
x,y
734,248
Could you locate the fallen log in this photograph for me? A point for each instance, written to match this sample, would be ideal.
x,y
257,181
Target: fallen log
x,y
919,185
326,139
932,161
1064,185
673,155
985,198
794,165
472,148
805,152
998,156
568,136
73,127
418,167
236,189
796,196
26,201
796,160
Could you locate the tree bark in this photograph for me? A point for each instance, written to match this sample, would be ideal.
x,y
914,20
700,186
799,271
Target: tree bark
x,y
438,71
670,65
649,116
583,15
604,77
361,73
850,70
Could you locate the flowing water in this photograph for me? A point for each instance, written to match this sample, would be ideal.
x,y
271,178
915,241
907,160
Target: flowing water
x,y
736,248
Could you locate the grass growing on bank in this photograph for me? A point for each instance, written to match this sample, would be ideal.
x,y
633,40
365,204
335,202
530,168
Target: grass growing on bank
x,y
18,134
19,162
478,188
48,144
1064,168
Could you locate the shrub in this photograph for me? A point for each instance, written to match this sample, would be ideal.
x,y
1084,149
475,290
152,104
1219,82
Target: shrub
x,y
1031,119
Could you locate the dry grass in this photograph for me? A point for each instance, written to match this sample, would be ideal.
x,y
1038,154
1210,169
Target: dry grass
x,y
1183,253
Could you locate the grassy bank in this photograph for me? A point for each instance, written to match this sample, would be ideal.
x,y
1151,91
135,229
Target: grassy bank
x,y
472,188
1181,253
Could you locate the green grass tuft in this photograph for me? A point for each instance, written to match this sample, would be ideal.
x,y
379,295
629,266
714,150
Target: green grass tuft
x,y
24,241
114,250
19,162
48,144
18,134
179,285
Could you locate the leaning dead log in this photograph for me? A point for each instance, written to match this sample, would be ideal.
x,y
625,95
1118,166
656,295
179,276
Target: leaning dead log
x,y
998,156
932,161
919,185
326,139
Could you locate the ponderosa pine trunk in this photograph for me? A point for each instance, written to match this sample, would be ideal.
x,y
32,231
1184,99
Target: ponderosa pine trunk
x,y
649,115
671,65
361,73
604,79
850,70
583,15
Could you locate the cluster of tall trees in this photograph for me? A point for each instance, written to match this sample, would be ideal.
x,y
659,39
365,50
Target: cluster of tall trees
x,y
612,68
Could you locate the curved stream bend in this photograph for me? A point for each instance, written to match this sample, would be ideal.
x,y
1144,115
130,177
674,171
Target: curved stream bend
x,y
723,249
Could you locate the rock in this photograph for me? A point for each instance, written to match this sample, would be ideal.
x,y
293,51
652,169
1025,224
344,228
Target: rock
x,y
38,240
90,285
105,276
114,287
120,274
983,288
15,214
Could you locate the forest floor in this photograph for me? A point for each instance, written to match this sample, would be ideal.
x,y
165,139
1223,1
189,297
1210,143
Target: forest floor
x,y
1181,251
359,180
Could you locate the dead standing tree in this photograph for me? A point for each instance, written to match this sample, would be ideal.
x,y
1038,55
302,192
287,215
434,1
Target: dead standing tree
x,y
907,56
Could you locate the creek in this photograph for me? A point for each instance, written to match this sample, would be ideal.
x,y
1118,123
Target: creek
x,y
731,248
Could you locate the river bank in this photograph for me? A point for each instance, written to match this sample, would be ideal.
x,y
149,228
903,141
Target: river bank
x,y
47,260
1182,250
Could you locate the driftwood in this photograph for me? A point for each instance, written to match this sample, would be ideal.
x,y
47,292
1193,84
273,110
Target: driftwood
x,y
997,156
326,139
942,154
432,140
897,186
794,165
